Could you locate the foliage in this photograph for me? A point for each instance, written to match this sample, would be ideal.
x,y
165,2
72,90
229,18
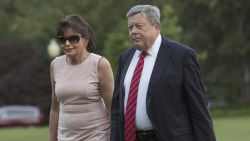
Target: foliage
x,y
219,31
170,26
117,42
24,79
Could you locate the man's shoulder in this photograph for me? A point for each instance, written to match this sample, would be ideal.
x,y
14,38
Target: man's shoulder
x,y
175,46
127,52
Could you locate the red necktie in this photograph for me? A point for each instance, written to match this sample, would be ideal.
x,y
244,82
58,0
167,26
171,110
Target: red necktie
x,y
129,127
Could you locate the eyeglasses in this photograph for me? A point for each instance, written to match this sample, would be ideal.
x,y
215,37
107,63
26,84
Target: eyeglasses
x,y
72,39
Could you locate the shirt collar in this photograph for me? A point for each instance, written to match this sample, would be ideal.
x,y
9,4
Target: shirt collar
x,y
153,50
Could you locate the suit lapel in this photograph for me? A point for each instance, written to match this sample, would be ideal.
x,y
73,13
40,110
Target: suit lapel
x,y
160,63
126,60
125,64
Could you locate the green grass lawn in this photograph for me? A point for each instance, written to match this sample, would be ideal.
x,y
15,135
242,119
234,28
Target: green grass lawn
x,y
24,134
226,129
232,128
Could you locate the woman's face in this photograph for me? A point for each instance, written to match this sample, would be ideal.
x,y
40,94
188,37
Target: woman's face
x,y
72,43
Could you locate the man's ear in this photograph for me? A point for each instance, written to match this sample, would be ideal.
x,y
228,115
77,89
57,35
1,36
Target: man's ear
x,y
157,25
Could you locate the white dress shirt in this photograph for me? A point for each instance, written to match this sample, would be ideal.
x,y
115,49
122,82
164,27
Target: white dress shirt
x,y
142,121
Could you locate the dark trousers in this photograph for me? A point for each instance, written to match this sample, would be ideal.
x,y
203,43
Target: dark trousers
x,y
145,135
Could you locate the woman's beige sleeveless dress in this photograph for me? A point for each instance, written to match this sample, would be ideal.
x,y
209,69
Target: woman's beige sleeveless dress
x,y
82,115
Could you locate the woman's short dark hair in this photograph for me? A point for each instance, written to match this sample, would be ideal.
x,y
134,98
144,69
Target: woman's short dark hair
x,y
80,25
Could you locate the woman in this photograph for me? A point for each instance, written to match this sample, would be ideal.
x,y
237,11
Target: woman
x,y
82,86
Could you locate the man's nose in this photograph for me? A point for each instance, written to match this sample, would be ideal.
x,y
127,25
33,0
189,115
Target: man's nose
x,y
133,30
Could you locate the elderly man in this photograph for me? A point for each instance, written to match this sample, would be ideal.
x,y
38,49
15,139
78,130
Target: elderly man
x,y
159,94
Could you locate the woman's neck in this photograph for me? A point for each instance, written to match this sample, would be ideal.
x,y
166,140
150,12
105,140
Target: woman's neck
x,y
77,59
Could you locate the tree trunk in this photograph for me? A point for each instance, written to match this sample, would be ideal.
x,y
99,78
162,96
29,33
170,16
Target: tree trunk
x,y
245,84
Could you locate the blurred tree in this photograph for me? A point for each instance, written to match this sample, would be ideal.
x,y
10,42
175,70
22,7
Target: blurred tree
x,y
37,20
23,77
219,30
170,26
116,43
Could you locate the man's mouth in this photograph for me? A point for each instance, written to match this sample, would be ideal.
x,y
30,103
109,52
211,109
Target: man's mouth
x,y
136,39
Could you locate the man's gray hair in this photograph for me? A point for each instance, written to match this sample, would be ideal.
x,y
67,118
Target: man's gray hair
x,y
152,13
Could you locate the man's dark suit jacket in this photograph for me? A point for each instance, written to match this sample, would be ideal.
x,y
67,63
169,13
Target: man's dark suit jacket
x,y
176,102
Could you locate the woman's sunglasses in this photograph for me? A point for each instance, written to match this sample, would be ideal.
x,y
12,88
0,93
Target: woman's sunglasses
x,y
72,39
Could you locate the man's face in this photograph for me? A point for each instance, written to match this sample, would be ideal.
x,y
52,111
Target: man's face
x,y
141,32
